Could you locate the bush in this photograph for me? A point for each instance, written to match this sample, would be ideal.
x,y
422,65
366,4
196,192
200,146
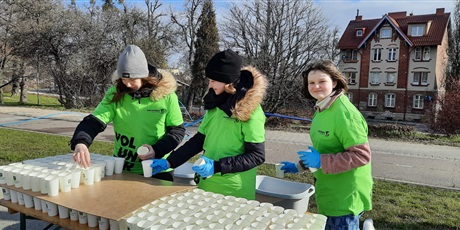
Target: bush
x,y
391,131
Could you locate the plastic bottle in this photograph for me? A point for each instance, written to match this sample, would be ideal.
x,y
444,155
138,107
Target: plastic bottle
x,y
368,224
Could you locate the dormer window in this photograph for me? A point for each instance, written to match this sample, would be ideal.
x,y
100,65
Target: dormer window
x,y
359,32
417,30
385,33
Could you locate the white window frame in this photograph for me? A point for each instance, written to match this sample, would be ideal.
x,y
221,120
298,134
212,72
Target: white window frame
x,y
385,33
392,54
375,77
418,53
417,102
391,75
377,54
372,100
417,30
426,53
359,32
390,99
351,77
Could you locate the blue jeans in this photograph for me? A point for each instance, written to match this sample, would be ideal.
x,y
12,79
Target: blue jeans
x,y
348,222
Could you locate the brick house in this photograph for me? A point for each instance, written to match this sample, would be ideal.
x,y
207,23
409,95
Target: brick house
x,y
395,64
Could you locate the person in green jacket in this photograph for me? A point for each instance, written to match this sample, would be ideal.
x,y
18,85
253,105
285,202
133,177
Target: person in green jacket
x,y
232,132
340,151
144,110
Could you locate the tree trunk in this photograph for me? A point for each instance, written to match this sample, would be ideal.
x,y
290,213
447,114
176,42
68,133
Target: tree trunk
x,y
23,90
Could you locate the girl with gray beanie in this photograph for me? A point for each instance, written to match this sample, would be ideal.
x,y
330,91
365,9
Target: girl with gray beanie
x,y
144,110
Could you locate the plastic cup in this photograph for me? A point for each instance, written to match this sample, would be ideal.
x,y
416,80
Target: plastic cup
x,y
88,176
109,166
43,183
65,181
20,196
26,180
34,181
44,207
53,185
92,220
17,177
142,150
51,208
14,196
73,214
146,168
76,175
279,172
7,173
199,162
63,212
103,223
28,201
37,203
82,218
98,170
113,224
6,194
2,175
119,163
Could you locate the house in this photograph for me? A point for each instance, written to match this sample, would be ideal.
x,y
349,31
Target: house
x,y
395,64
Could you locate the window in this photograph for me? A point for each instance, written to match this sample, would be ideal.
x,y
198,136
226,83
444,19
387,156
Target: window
x,y
375,78
417,30
351,77
417,101
385,33
392,54
377,55
390,100
372,100
351,55
418,53
350,96
359,32
391,77
426,53
420,78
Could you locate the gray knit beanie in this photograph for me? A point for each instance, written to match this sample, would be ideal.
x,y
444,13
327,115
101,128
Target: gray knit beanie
x,y
131,64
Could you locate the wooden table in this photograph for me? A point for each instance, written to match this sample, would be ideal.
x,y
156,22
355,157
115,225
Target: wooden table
x,y
112,198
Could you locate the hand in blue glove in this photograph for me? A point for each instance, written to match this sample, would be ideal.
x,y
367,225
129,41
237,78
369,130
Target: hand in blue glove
x,y
289,167
310,158
206,169
159,165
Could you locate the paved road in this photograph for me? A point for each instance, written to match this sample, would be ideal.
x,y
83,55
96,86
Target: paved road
x,y
431,165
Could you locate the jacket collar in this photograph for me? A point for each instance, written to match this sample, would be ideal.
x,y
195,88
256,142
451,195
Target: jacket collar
x,y
327,102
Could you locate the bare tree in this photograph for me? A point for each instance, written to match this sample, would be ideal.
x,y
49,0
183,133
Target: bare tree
x,y
453,67
280,38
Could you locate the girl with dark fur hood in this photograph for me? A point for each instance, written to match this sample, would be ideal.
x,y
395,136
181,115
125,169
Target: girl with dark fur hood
x,y
232,133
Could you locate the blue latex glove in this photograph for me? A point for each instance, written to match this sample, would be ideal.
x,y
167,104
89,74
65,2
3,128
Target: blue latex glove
x,y
289,167
159,165
206,169
310,158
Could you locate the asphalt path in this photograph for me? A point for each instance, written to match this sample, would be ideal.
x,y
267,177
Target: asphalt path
x,y
430,165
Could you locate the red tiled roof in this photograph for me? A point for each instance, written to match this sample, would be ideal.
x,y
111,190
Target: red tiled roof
x,y
349,40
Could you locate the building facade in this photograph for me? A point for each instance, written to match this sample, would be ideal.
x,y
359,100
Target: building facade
x,y
395,64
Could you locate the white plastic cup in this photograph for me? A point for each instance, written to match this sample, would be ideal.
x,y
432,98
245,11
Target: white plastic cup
x,y
7,173
92,220
2,175
44,207
103,223
63,212
17,177
113,224
65,181
88,176
34,181
43,183
20,196
109,166
6,194
73,214
76,175
98,171
142,150
199,162
37,203
28,201
119,163
53,185
279,171
13,196
51,208
146,168
26,180
82,218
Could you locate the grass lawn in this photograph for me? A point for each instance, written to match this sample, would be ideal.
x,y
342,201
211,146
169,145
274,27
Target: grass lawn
x,y
396,205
